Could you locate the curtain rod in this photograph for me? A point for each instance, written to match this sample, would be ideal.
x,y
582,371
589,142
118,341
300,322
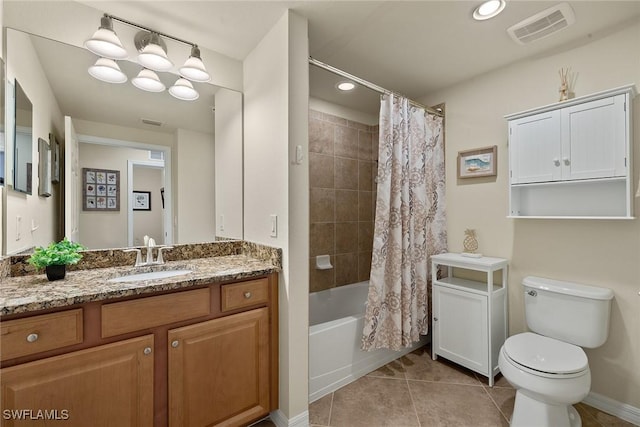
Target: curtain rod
x,y
368,84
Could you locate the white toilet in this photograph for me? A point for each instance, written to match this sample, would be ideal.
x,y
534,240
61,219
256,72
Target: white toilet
x,y
547,367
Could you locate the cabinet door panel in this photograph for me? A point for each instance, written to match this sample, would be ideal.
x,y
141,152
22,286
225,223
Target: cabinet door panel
x,y
534,146
462,334
110,385
593,139
219,371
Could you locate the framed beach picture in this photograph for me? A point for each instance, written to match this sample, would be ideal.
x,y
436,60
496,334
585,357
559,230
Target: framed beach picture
x,y
478,163
142,200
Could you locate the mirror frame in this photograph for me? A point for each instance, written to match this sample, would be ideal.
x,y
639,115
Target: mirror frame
x,y
28,185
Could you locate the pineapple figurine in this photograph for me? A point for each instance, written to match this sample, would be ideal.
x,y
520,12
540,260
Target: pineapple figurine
x,y
470,243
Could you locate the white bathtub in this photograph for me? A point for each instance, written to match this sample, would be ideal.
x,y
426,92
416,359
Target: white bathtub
x,y
336,318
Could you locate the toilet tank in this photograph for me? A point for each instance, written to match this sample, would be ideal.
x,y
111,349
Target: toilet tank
x,y
571,312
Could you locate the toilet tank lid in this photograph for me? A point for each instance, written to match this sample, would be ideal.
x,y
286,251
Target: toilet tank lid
x,y
568,288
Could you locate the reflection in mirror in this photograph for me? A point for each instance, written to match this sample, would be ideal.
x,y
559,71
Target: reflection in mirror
x,y
23,142
2,134
122,117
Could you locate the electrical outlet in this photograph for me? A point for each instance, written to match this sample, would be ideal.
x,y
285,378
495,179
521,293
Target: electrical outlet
x,y
18,227
221,223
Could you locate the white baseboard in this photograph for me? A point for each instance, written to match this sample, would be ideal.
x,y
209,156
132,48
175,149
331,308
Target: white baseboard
x,y
621,410
280,420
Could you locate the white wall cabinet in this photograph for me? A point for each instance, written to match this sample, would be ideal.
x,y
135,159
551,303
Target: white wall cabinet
x,y
573,159
469,317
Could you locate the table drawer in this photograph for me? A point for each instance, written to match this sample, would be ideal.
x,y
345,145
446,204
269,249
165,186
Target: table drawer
x,y
245,294
148,312
35,334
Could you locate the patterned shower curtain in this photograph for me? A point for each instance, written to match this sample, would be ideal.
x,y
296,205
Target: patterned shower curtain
x,y
409,224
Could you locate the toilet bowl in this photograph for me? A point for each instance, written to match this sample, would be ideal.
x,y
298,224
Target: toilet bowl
x,y
547,367
549,377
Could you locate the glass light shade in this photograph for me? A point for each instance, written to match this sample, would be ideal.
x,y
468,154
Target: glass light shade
x,y
149,81
105,42
488,9
107,70
193,68
183,89
346,86
154,57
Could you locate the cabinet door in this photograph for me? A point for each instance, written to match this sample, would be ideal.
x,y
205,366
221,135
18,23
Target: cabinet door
x,y
534,148
460,327
219,371
110,385
594,138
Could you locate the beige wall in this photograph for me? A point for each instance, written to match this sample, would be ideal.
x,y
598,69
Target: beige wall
x,y
276,83
194,199
597,252
39,215
101,229
342,198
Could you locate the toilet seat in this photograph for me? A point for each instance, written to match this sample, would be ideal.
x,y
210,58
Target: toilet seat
x,y
544,356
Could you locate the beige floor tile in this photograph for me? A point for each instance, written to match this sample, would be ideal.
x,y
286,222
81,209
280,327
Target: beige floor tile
x,y
504,398
373,402
393,369
602,418
418,365
320,410
440,405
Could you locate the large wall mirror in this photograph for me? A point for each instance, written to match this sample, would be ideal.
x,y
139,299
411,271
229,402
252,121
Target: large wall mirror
x,y
23,142
117,127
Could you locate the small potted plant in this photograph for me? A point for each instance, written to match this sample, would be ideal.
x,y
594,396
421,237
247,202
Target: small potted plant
x,y
55,257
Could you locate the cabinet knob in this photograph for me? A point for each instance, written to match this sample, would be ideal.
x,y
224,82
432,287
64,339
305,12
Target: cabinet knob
x,y
247,295
566,161
532,293
556,162
175,343
147,351
435,319
32,337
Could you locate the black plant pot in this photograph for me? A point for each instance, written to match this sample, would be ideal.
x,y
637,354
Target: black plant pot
x,y
55,272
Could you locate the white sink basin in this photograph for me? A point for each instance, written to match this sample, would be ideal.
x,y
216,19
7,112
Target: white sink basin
x,y
150,276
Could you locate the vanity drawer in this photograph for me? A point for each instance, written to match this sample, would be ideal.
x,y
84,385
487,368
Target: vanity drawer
x,y
148,312
245,294
31,335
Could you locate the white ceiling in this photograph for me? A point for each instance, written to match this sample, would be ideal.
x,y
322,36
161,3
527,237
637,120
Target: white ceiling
x,y
410,47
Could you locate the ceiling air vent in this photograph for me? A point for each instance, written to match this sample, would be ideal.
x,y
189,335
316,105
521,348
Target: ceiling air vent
x,y
543,24
151,122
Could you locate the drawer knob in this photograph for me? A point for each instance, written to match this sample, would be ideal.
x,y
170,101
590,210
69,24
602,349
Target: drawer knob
x,y
435,319
147,350
32,337
556,161
247,295
175,343
566,161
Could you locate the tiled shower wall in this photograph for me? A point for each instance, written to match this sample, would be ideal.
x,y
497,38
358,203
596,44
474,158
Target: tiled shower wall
x,y
342,168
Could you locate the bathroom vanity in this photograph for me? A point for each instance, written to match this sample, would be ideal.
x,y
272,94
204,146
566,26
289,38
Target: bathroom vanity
x,y
195,349
469,316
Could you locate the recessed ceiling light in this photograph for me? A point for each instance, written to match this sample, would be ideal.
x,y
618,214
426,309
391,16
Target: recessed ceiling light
x,y
488,9
346,86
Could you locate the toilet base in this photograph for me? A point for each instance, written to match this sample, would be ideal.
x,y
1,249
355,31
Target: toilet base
x,y
529,412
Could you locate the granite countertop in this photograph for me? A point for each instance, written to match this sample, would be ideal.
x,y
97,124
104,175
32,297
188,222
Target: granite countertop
x,y
34,292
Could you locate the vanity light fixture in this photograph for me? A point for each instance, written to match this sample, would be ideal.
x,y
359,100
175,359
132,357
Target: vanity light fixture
x,y
152,56
346,85
183,89
105,42
193,69
148,80
107,70
488,9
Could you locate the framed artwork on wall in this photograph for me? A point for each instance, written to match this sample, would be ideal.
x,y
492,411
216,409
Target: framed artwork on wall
x,y
478,163
142,200
44,168
54,146
100,190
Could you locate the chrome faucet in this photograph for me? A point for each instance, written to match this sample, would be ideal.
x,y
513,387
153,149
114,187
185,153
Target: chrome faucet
x,y
150,244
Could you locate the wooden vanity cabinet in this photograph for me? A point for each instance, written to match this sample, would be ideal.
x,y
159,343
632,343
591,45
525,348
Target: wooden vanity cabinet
x,y
146,361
